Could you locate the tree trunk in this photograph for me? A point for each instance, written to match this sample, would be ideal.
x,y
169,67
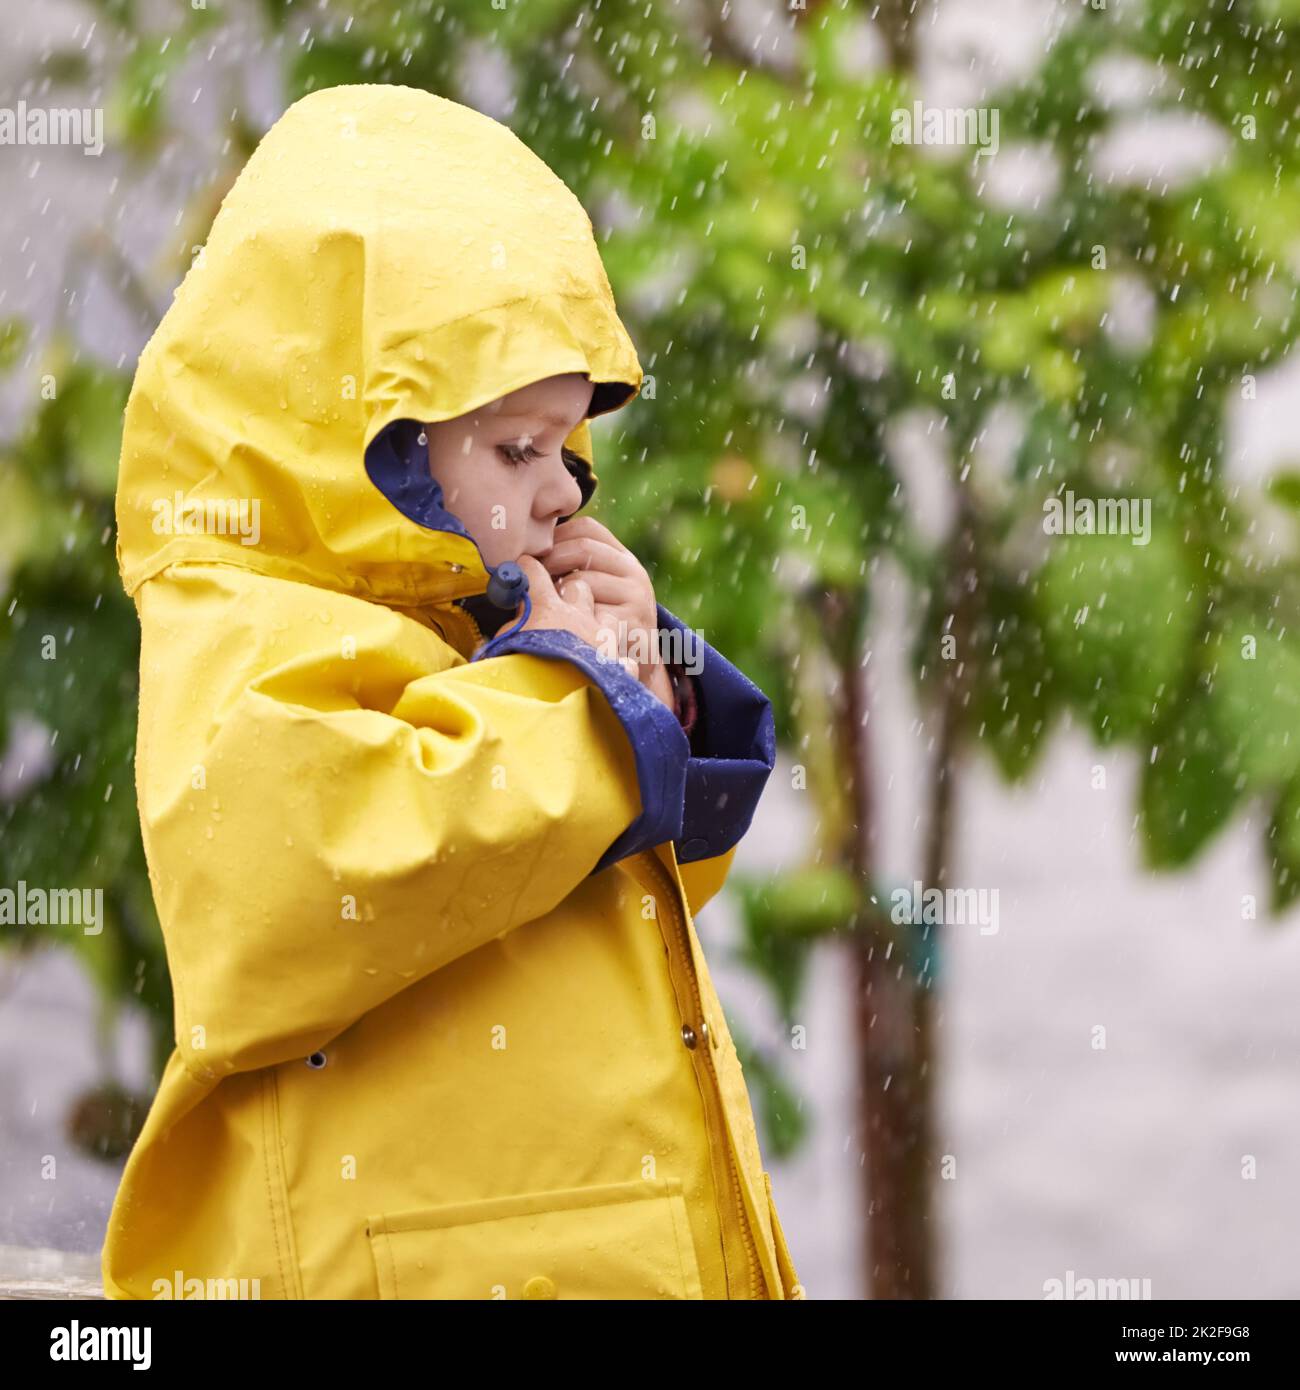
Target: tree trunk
x,y
897,1008
896,1197
918,1122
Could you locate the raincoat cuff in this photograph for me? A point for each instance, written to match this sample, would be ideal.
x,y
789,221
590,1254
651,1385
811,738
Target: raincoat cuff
x,y
659,744
733,747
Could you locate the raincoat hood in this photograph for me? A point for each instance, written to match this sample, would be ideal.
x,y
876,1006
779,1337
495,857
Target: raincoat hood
x,y
386,257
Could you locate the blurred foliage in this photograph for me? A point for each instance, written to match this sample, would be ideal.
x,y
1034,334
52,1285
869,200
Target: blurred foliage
x,y
69,649
797,284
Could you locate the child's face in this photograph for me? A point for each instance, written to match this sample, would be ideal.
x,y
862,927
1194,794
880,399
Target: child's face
x,y
500,467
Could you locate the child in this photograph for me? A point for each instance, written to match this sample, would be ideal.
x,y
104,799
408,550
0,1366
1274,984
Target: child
x,y
444,1028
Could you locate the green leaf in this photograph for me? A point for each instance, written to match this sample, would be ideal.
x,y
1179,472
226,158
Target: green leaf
x,y
13,339
136,107
92,403
1255,699
1284,838
1118,620
327,63
827,531
20,519
1188,790
808,902
779,1106
784,915
1015,694
1284,487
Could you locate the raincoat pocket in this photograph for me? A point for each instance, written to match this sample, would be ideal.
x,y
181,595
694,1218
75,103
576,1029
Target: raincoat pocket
x,y
626,1240
789,1279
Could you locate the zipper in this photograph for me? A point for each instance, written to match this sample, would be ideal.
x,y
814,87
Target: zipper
x,y
474,628
756,1284
431,616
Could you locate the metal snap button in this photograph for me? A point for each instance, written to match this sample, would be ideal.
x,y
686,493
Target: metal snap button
x,y
688,1035
455,567
316,1060
539,1286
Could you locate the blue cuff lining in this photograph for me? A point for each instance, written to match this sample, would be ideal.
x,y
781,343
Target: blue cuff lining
x,y
658,742
736,744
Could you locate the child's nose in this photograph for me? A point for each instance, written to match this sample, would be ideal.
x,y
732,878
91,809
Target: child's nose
x,y
562,494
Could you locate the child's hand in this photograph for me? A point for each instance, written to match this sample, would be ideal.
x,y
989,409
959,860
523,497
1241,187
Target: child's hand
x,y
624,597
569,604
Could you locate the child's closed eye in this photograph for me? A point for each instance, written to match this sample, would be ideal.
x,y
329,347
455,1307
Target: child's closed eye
x,y
515,454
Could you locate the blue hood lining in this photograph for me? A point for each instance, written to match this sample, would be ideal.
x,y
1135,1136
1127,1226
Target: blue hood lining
x,y
396,462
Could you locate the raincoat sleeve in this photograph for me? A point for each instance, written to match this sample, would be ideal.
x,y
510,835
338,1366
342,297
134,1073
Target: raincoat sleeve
x,y
659,745
337,804
733,752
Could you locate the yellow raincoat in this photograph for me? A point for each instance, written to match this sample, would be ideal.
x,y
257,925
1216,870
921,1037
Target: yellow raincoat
x,y
444,1028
